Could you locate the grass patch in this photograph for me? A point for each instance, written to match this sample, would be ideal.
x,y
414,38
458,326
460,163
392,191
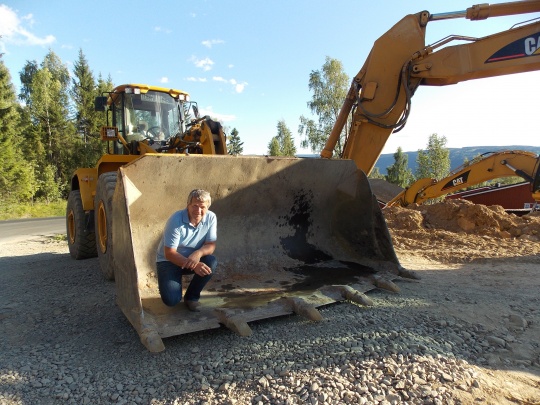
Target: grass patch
x,y
32,210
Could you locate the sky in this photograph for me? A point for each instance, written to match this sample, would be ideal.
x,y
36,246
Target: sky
x,y
247,62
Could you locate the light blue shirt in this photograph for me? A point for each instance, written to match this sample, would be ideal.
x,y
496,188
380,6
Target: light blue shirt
x,y
179,234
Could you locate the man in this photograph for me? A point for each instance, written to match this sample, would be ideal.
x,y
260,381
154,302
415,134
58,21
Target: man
x,y
188,241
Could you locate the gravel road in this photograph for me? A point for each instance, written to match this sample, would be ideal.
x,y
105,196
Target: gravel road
x,y
64,341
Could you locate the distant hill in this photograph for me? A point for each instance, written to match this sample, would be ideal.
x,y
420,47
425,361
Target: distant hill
x,y
457,155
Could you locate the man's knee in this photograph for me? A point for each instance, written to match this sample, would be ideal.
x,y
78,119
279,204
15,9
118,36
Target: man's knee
x,y
210,261
170,293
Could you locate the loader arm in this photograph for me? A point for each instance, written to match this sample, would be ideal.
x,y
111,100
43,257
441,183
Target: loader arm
x,y
493,166
379,98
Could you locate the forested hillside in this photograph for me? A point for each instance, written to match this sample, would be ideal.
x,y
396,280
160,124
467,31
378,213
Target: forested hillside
x,y
457,155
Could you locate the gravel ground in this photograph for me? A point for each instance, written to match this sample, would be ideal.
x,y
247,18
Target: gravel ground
x,y
64,340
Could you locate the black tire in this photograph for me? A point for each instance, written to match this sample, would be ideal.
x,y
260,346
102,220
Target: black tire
x,y
103,222
80,235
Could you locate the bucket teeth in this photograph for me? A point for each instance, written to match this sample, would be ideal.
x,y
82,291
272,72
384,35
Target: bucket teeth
x,y
403,272
349,293
149,333
302,308
234,323
385,284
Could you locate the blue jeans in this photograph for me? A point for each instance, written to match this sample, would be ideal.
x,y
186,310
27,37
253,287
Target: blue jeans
x,y
170,281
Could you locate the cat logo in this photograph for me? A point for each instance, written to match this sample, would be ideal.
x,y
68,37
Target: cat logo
x,y
457,181
521,48
532,45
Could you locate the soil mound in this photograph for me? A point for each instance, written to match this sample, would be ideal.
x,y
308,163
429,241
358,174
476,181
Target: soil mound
x,y
458,230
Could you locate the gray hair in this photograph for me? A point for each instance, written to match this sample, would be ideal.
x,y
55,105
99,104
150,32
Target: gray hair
x,y
201,195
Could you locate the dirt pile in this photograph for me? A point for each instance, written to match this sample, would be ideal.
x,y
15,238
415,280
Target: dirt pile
x,y
458,231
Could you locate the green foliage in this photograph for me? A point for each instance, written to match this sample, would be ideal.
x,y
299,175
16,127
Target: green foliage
x,y
16,176
283,143
329,87
234,145
11,210
434,162
51,132
399,173
88,122
376,174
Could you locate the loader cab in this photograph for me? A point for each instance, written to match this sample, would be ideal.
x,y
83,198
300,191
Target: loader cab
x,y
144,113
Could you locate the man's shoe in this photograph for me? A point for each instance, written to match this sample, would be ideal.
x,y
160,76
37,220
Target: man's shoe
x,y
193,306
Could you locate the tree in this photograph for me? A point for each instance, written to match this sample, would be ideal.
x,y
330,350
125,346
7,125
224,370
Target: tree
x,y
399,173
283,143
234,146
26,76
87,120
376,174
329,86
434,162
49,111
16,175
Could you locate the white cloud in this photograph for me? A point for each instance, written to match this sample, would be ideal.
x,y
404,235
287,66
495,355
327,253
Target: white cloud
x,y
220,117
238,87
164,79
12,29
161,29
205,64
197,79
211,42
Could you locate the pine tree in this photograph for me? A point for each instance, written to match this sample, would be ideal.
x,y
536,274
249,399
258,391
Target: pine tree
x,y
399,173
16,175
234,146
88,122
283,143
376,174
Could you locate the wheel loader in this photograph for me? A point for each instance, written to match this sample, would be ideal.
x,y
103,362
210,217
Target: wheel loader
x,y
143,120
293,234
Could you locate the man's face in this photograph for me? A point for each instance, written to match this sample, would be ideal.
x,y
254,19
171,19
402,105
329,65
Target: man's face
x,y
196,211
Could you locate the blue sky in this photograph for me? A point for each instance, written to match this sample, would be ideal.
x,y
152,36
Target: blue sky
x,y
248,62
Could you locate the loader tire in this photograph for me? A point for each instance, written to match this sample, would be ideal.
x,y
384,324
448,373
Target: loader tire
x,y
80,235
103,225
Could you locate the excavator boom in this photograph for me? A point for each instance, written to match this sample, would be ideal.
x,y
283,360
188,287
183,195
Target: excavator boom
x,y
380,94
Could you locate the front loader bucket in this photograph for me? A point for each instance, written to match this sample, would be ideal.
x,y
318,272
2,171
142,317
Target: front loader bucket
x,y
293,234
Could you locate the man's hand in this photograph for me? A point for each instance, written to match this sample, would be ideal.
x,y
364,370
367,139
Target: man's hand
x,y
192,260
193,263
202,269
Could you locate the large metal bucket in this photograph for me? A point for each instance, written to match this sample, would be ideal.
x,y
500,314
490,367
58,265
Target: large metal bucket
x,y
293,234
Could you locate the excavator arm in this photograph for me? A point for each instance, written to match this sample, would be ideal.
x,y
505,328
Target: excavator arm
x,y
490,166
379,98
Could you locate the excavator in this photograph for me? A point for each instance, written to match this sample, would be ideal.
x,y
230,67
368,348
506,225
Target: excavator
x,y
378,102
290,241
488,166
